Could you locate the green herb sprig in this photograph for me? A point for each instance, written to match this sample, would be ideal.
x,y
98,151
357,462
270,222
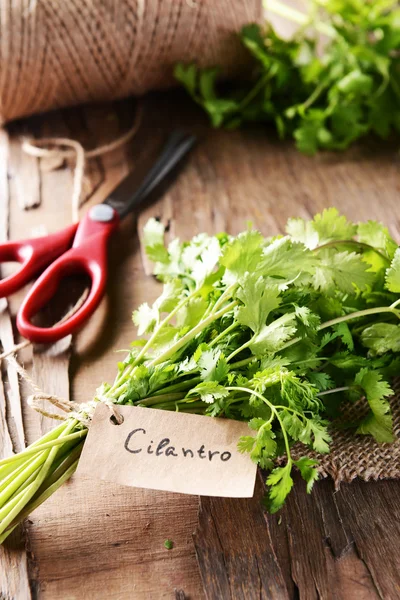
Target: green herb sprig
x,y
326,94
283,333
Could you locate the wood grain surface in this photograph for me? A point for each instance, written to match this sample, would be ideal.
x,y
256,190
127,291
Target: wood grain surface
x,y
95,540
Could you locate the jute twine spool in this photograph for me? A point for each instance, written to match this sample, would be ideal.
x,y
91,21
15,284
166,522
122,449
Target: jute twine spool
x,y
55,54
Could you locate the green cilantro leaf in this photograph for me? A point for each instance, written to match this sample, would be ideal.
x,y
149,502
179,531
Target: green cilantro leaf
x,y
242,255
303,231
258,300
246,443
345,271
171,292
308,471
295,426
322,381
381,338
209,391
272,337
307,317
393,273
153,238
379,420
286,259
200,257
330,226
192,312
342,330
321,436
145,318
376,235
213,365
280,483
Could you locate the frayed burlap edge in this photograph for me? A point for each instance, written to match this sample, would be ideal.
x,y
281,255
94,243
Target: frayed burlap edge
x,y
360,456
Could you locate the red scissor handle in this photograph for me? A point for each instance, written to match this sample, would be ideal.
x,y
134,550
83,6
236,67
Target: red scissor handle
x,y
88,255
34,255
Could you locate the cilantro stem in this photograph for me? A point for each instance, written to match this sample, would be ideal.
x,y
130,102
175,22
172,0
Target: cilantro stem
x,y
242,347
192,334
69,467
314,96
254,91
360,313
223,334
243,363
273,410
53,434
183,385
228,293
48,455
183,405
35,449
355,315
310,360
164,322
344,388
335,243
153,400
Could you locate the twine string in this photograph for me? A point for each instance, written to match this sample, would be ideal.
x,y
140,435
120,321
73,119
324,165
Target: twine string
x,y
56,54
55,148
80,412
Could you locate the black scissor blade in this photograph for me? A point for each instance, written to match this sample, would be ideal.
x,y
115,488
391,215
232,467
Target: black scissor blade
x,y
124,199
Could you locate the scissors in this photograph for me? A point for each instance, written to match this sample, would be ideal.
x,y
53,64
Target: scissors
x,y
80,248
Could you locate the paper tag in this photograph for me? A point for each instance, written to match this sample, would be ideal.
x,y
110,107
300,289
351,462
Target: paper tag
x,y
171,451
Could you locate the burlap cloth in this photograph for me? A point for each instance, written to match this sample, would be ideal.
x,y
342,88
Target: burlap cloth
x,y
361,456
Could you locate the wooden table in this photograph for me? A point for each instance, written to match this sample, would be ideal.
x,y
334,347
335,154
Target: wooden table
x,y
95,540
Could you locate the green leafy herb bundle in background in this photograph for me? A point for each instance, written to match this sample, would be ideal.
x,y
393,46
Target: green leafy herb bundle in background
x,y
336,80
282,332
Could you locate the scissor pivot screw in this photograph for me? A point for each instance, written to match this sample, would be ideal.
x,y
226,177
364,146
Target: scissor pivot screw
x,y
102,213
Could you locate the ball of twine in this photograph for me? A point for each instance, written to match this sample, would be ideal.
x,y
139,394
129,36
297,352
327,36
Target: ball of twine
x,y
55,54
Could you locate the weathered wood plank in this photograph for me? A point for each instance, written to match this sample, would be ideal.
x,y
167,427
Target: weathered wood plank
x,y
50,364
371,512
27,176
14,580
235,551
303,554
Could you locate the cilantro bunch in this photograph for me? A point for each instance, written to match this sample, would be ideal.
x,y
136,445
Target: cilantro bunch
x,y
283,333
336,80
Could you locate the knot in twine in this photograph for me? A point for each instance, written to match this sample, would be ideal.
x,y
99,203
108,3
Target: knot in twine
x,y
81,412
